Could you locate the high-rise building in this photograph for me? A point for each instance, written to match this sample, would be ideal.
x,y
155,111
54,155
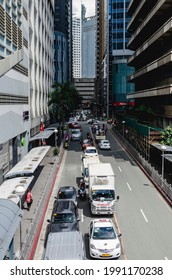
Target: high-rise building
x,y
116,54
89,47
151,42
26,74
41,59
62,40
14,83
76,47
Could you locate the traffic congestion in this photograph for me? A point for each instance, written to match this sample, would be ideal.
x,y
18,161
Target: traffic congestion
x,y
94,190
103,205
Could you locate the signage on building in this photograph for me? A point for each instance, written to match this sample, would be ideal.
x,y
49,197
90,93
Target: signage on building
x,y
117,104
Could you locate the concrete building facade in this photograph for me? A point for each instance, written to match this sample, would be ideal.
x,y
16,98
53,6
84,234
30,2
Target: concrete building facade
x,y
89,47
77,47
151,42
26,74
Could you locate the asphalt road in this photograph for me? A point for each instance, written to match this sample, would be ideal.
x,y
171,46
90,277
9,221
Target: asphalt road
x,y
142,216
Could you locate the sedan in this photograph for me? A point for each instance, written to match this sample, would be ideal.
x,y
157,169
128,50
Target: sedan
x,y
103,239
67,193
64,216
104,145
85,143
76,135
90,152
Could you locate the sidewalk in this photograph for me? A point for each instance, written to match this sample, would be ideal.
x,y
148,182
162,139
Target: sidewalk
x,y
37,189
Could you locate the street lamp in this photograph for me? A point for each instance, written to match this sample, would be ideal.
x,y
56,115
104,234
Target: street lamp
x,y
55,132
123,127
163,149
20,190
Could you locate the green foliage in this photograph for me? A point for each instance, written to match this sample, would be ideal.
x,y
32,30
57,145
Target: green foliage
x,y
56,151
166,136
63,100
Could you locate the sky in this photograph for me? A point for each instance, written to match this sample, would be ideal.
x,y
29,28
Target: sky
x,y
89,4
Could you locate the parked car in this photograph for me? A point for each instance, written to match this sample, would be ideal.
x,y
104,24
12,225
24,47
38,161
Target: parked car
x,y
67,193
64,216
90,152
76,135
104,145
85,143
103,239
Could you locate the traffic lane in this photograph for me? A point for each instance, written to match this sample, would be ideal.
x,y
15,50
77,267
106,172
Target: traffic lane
x,y
148,200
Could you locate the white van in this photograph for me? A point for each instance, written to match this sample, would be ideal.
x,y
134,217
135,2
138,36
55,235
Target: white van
x,y
65,246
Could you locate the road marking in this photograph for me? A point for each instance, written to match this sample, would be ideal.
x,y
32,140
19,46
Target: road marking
x,y
81,168
166,258
82,216
119,168
144,216
129,187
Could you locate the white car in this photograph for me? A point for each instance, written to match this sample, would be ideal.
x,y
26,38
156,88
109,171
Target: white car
x,y
104,145
76,135
90,152
104,240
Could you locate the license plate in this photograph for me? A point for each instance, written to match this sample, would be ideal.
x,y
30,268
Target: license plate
x,y
105,255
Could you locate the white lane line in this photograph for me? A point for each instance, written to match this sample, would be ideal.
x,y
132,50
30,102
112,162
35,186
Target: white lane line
x,y
129,187
81,168
82,216
144,216
166,258
119,168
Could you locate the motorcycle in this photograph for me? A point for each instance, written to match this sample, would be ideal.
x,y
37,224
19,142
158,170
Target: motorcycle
x,y
82,193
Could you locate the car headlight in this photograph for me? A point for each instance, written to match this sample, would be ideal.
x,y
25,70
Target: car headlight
x,y
92,246
117,246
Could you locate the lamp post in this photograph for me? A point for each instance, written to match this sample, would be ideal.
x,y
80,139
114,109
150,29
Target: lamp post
x,y
55,132
123,128
20,190
163,149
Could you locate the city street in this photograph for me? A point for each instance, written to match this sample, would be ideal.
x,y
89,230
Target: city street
x,y
142,216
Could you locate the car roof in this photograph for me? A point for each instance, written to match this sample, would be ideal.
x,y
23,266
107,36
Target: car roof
x,y
103,223
63,206
66,188
91,148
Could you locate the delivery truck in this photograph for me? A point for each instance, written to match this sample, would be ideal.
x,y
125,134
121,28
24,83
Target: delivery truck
x,y
102,196
86,162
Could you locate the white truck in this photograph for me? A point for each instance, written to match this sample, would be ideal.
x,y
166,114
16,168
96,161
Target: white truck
x,y
86,162
101,179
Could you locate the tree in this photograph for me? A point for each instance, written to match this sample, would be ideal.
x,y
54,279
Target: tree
x,y
166,136
62,101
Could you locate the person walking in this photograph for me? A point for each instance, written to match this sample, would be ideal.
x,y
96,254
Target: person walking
x,y
29,199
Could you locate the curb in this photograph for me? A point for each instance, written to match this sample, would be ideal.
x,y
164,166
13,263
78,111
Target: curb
x,y
35,242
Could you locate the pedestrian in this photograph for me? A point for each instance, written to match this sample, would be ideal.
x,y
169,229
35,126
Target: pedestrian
x,y
29,199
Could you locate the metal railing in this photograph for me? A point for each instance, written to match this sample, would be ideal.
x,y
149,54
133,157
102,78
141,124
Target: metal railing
x,y
156,178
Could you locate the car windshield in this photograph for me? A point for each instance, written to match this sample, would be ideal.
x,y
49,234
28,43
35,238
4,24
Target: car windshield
x,y
104,233
105,142
86,141
66,194
63,218
76,132
103,195
91,151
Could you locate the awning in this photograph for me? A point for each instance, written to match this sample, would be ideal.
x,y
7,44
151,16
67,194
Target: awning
x,y
28,164
10,217
42,135
8,187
